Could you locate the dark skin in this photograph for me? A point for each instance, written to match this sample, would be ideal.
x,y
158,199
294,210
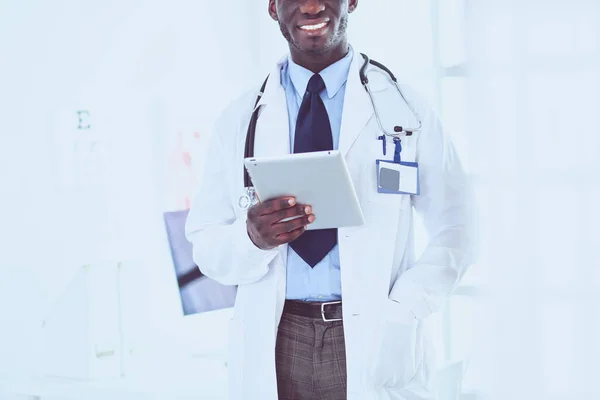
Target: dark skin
x,y
313,49
316,35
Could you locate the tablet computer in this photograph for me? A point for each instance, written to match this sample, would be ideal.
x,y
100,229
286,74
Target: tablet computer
x,y
319,179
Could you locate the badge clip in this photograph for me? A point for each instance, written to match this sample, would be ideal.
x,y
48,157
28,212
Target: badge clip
x,y
382,138
397,150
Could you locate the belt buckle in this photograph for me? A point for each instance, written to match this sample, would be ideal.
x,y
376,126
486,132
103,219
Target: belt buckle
x,y
323,311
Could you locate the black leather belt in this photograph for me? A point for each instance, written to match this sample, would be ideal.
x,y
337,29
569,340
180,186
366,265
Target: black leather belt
x,y
328,311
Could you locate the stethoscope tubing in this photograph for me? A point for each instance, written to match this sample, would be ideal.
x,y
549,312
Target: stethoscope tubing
x,y
249,197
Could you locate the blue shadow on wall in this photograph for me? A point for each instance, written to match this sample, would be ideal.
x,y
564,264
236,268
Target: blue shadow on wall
x,y
198,293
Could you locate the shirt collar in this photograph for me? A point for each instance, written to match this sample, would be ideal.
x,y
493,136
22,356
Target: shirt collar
x,y
334,76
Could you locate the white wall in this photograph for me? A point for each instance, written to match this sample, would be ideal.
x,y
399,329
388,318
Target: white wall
x,y
534,90
144,70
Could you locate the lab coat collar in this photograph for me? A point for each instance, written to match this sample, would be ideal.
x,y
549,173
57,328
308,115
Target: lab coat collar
x,y
272,130
357,107
273,84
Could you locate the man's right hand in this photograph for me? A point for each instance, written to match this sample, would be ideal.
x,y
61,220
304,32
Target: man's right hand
x,y
264,222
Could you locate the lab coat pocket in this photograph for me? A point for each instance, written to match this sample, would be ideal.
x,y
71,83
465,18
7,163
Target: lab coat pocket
x,y
235,358
399,355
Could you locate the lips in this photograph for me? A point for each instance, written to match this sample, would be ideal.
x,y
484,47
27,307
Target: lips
x,y
314,26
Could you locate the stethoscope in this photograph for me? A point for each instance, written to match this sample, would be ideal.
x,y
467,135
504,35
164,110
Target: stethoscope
x,y
248,198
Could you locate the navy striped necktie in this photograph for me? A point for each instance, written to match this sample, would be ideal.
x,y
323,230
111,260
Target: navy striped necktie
x,y
313,133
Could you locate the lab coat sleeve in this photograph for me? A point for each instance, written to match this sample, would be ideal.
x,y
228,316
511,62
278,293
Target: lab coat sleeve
x,y
221,246
446,203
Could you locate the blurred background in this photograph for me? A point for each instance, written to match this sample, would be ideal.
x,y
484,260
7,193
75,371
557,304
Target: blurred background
x,y
105,112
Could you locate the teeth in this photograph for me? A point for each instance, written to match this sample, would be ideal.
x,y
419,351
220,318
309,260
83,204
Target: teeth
x,y
313,27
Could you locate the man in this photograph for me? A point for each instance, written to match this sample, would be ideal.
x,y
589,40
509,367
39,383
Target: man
x,y
291,336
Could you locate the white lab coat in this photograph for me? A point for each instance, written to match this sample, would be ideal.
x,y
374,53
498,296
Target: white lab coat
x,y
387,294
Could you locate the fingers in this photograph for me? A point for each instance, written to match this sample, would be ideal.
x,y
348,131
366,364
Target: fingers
x,y
264,208
274,205
299,210
291,236
282,228
278,221
293,229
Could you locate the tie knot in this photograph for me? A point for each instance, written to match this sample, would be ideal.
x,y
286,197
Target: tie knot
x,y
315,85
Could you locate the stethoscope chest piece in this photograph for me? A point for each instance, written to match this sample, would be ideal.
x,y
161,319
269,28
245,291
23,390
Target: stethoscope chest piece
x,y
248,199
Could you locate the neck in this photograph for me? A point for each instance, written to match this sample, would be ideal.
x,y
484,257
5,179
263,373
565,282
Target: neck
x,y
317,62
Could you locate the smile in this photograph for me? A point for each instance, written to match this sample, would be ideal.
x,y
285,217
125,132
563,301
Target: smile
x,y
314,27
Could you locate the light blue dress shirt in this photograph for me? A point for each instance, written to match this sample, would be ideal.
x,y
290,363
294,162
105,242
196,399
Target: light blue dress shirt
x,y
323,282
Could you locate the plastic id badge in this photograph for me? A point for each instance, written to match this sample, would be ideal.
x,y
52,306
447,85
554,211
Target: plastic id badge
x,y
398,177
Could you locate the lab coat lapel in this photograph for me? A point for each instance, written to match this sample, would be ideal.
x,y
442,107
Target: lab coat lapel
x,y
357,107
272,131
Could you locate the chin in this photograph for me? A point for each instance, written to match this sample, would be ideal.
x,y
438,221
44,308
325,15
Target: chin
x,y
316,45
313,46
316,49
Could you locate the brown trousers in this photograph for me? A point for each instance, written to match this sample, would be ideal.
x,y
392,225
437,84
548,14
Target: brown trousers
x,y
310,357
